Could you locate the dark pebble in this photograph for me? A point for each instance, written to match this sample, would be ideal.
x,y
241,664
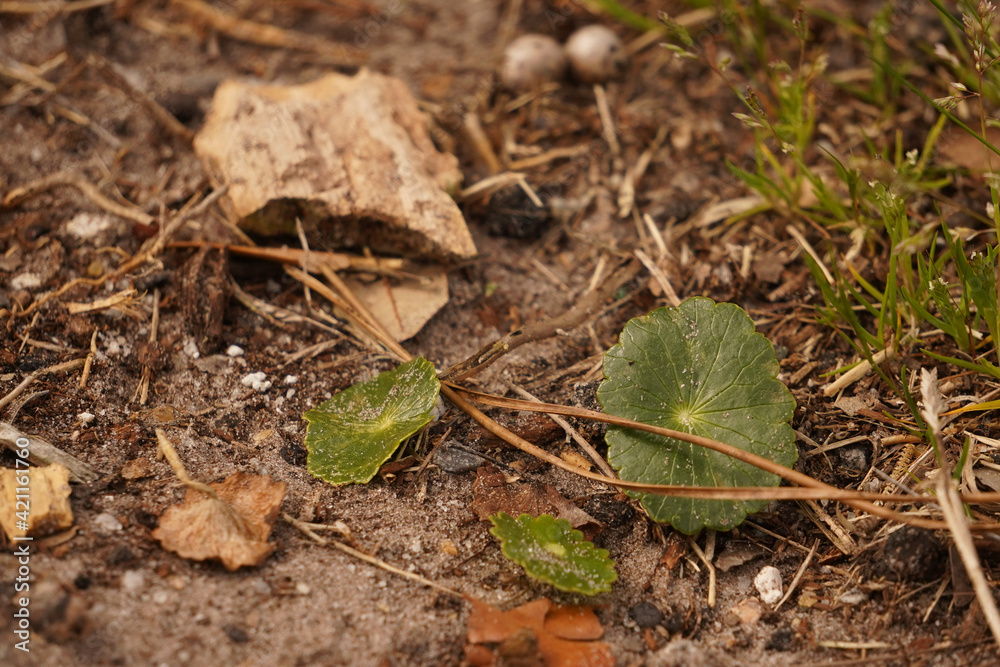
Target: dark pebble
x,y
781,640
236,633
514,215
913,554
455,460
646,615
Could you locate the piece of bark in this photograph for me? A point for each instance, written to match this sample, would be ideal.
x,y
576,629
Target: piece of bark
x,y
35,501
349,156
42,452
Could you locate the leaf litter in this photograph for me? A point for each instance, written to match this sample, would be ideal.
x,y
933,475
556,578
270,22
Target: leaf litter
x,y
561,635
229,521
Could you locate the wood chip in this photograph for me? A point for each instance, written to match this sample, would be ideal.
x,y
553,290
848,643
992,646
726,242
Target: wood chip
x,y
350,156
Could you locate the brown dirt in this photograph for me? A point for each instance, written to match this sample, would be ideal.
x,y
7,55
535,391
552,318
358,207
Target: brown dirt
x,y
112,595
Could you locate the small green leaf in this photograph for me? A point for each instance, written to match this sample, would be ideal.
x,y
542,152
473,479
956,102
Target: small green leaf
x,y
550,550
350,436
699,368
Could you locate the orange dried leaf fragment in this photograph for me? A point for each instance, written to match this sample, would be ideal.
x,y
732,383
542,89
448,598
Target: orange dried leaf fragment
x,y
232,527
564,635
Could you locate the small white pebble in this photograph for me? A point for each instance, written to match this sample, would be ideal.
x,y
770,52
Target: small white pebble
x,y
302,588
596,54
252,378
85,417
159,597
531,60
257,381
106,523
191,349
132,580
291,379
852,597
234,351
768,583
289,393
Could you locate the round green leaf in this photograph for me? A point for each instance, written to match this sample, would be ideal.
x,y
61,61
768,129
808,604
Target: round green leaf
x,y
702,369
550,550
350,436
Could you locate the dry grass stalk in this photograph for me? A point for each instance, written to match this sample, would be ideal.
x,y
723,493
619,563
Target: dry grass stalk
x,y
799,573
951,504
19,194
712,575
572,432
863,368
268,35
52,7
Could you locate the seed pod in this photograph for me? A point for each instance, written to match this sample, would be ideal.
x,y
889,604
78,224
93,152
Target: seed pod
x,y
531,60
596,54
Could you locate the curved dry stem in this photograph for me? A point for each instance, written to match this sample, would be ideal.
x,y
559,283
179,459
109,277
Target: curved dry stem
x,y
813,488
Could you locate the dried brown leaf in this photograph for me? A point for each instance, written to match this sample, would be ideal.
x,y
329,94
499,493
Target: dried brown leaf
x,y
492,493
233,527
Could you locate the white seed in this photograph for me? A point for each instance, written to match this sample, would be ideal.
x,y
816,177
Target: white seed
x,y
596,54
531,60
768,583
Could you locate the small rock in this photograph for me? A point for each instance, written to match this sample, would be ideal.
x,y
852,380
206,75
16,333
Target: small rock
x,y
736,553
855,596
291,379
746,612
236,633
257,381
213,364
768,583
133,580
234,351
85,417
106,524
98,229
912,554
596,54
455,460
531,60
646,615
781,640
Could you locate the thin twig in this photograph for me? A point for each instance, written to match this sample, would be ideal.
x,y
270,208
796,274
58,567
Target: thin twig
x,y
26,382
170,454
572,432
360,555
798,576
89,360
708,565
268,35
